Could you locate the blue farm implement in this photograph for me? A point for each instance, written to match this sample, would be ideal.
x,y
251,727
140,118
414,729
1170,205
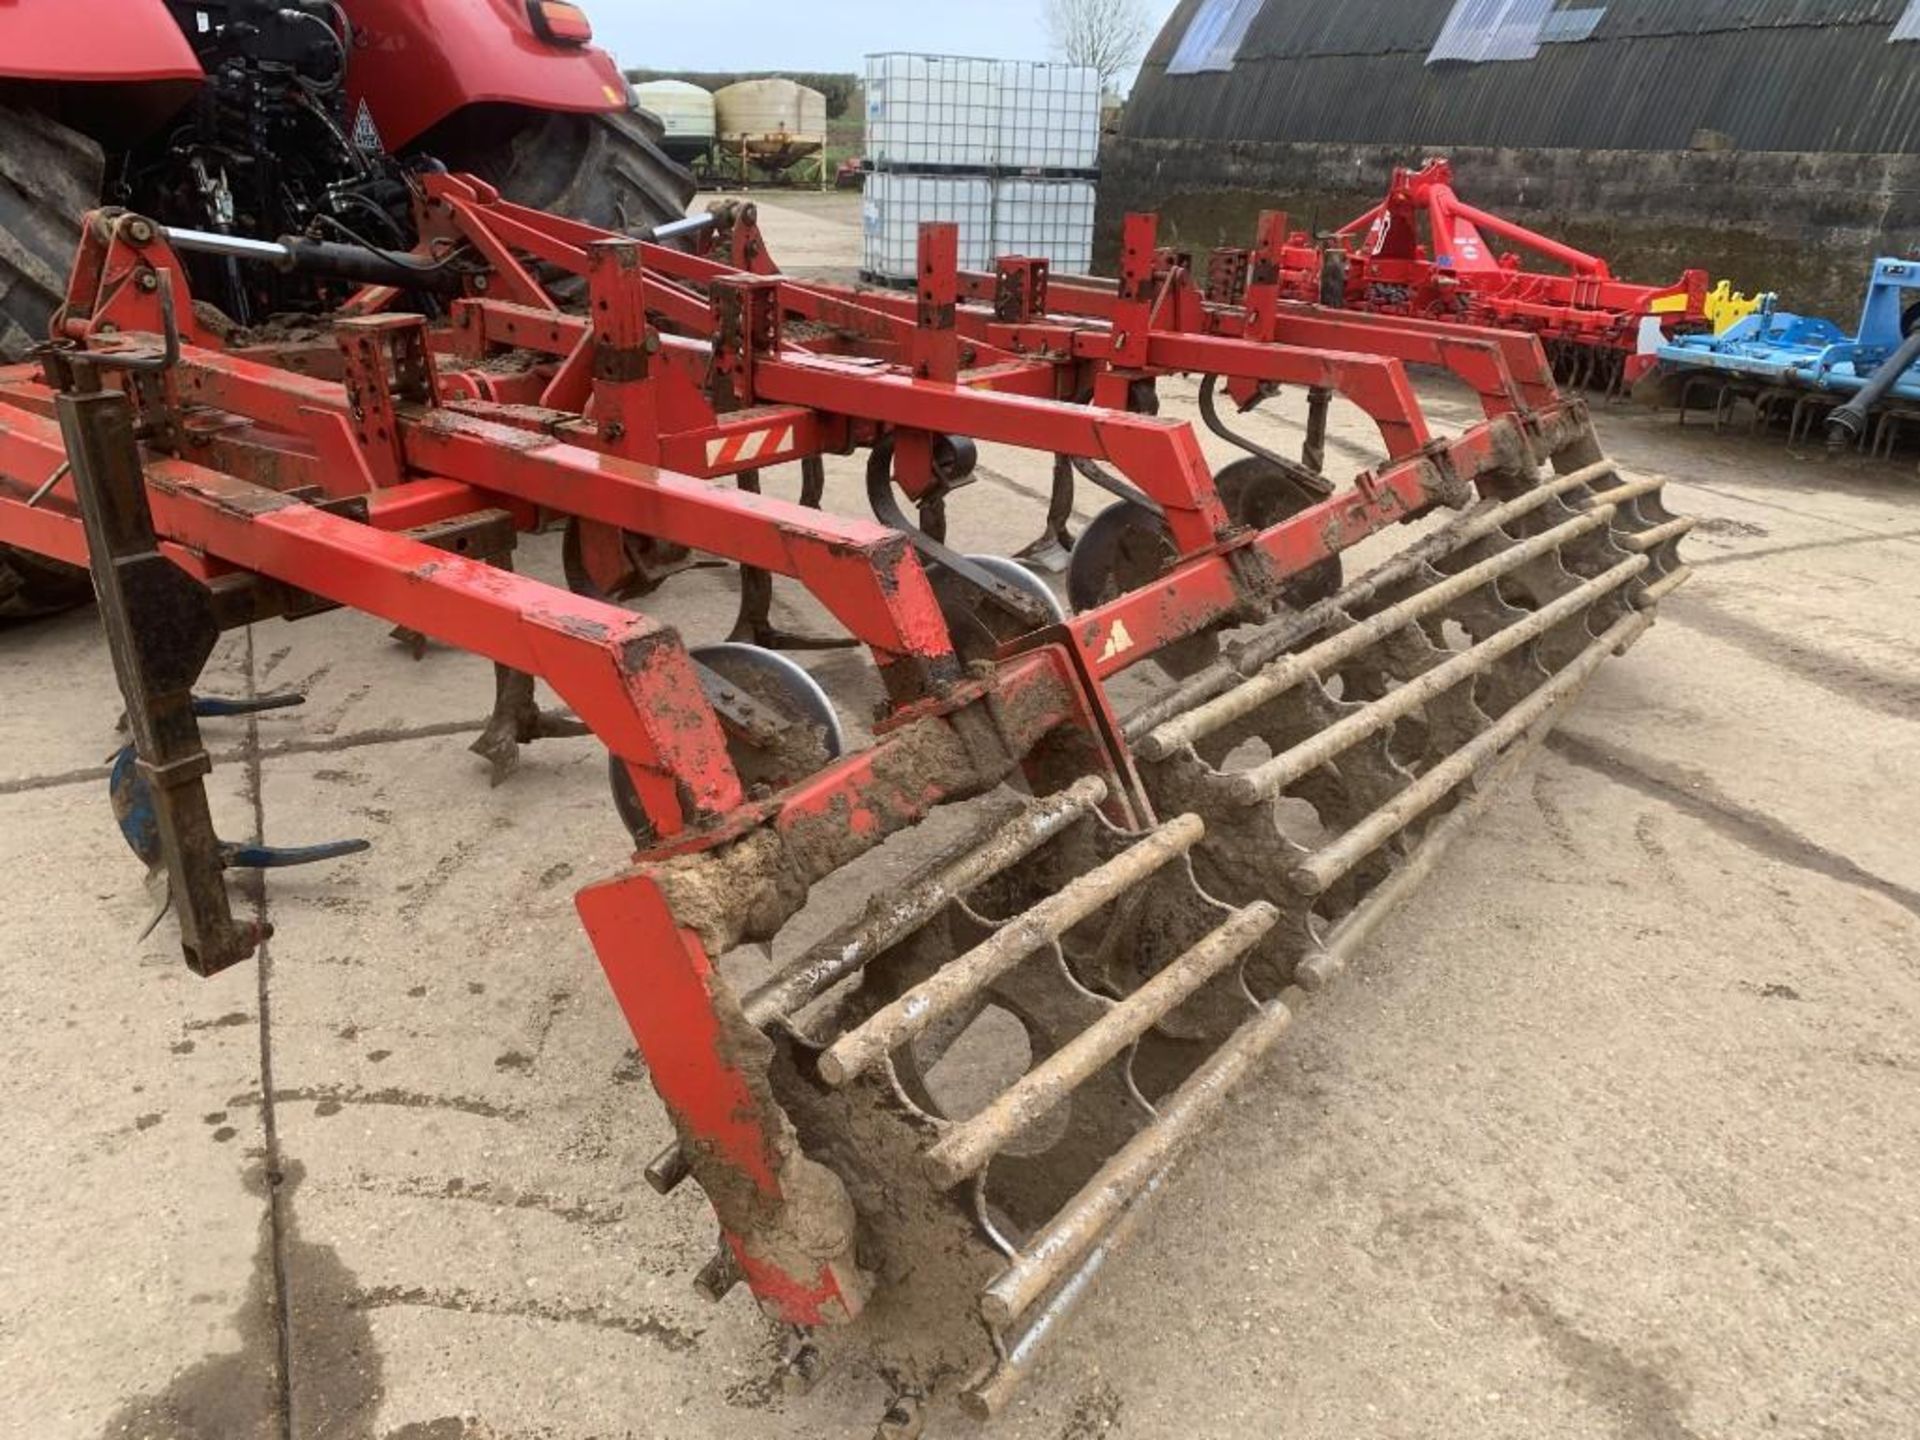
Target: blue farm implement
x,y
1860,388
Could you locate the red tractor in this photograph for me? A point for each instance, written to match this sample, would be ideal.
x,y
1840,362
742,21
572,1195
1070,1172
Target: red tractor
x,y
307,118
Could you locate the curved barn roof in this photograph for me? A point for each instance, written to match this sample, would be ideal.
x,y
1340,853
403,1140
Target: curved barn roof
x,y
1798,75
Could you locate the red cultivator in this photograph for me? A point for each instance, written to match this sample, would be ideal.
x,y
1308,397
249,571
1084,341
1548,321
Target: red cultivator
x,y
1151,894
1598,330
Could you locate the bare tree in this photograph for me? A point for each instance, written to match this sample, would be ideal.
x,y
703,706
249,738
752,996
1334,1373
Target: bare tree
x,y
1109,35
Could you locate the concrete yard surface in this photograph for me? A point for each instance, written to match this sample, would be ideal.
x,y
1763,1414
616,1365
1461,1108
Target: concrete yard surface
x,y
1613,1134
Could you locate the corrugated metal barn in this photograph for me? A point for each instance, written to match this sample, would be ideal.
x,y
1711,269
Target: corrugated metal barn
x,y
1775,141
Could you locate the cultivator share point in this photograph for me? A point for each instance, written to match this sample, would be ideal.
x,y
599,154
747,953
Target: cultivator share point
x,y
1156,882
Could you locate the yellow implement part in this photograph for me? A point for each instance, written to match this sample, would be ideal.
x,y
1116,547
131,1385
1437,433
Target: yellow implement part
x,y
1726,308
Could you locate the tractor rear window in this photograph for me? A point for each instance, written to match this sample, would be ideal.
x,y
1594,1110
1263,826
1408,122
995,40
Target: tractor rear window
x,y
1214,36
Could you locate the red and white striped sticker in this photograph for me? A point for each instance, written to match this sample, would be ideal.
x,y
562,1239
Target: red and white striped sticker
x,y
750,446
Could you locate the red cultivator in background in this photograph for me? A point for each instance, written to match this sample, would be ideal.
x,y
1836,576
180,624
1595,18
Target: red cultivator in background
x,y
1424,251
1156,884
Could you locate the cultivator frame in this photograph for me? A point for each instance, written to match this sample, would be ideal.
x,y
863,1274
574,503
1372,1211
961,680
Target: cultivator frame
x,y
1145,915
1594,325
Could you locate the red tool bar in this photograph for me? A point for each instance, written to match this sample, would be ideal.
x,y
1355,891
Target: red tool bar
x,y
864,572
866,567
54,533
1191,599
1483,361
1379,387
1372,379
1528,385
1162,457
623,674
31,449
520,327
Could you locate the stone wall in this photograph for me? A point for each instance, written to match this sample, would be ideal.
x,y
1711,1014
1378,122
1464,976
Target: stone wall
x,y
1805,225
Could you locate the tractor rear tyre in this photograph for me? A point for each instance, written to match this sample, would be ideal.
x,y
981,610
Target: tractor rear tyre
x,y
604,170
50,177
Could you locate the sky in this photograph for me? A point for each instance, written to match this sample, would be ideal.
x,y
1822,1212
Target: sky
x,y
828,35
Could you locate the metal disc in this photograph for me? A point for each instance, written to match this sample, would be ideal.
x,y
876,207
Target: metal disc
x,y
772,681
1012,572
1260,495
1126,548
979,627
775,679
1122,549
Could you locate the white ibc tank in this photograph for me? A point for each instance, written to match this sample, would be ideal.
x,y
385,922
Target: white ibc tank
x,y
932,110
896,207
1046,219
1049,116
686,110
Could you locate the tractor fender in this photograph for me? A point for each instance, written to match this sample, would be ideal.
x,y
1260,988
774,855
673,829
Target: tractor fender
x,y
415,65
98,41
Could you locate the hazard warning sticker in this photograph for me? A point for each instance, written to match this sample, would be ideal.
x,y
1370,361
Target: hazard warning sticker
x,y
366,134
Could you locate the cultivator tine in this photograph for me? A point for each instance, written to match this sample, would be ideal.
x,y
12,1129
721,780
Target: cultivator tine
x,y
754,623
518,720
